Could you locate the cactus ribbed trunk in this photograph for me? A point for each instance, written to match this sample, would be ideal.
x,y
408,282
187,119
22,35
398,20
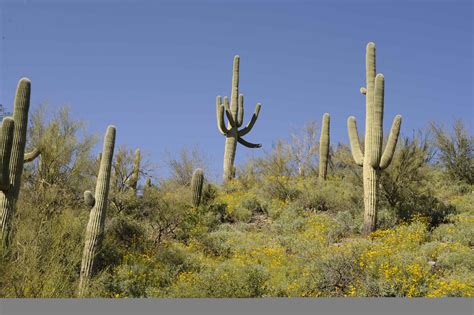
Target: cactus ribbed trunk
x,y
235,115
95,227
229,155
196,186
324,147
371,177
9,196
372,160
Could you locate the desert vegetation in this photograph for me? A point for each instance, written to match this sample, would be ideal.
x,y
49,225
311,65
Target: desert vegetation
x,y
302,220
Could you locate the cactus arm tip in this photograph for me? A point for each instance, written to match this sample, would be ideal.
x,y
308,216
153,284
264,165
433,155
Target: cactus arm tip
x,y
391,143
252,121
25,80
354,141
220,117
228,112
248,144
363,90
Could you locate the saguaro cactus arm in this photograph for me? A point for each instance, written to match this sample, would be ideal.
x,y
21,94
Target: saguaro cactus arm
x,y
391,143
248,144
220,116
6,141
252,121
376,138
354,141
228,113
32,155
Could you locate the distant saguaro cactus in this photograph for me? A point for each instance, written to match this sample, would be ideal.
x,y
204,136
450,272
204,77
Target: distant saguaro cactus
x,y
235,117
372,160
134,177
324,147
196,186
95,227
12,147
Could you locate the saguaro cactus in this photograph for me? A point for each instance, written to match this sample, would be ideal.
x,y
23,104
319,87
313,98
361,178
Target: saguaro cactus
x,y
372,160
95,227
196,186
12,157
235,117
133,181
324,147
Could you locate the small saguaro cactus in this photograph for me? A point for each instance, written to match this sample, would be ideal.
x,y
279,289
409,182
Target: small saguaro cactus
x,y
324,147
13,157
134,177
235,117
95,227
196,186
372,160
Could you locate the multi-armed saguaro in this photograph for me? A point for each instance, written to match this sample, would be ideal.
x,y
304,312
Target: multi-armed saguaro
x,y
95,227
372,159
196,186
12,157
324,147
235,116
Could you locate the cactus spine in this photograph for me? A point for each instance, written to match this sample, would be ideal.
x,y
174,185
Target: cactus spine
x,y
324,147
196,186
372,160
12,157
133,181
235,116
95,227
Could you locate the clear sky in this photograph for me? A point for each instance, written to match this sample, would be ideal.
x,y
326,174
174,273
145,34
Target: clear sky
x,y
154,68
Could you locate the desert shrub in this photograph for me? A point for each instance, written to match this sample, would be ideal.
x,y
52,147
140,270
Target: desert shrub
x,y
332,196
456,151
183,165
46,258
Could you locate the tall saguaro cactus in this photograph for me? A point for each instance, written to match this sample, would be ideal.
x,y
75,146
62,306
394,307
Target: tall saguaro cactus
x,y
196,186
13,157
324,147
235,117
95,227
372,160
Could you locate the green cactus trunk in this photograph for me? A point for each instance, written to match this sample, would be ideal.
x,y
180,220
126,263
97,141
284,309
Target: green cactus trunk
x,y
372,160
95,227
196,186
324,147
235,115
229,155
15,153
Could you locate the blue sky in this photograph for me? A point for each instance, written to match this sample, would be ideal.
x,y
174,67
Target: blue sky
x,y
153,68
